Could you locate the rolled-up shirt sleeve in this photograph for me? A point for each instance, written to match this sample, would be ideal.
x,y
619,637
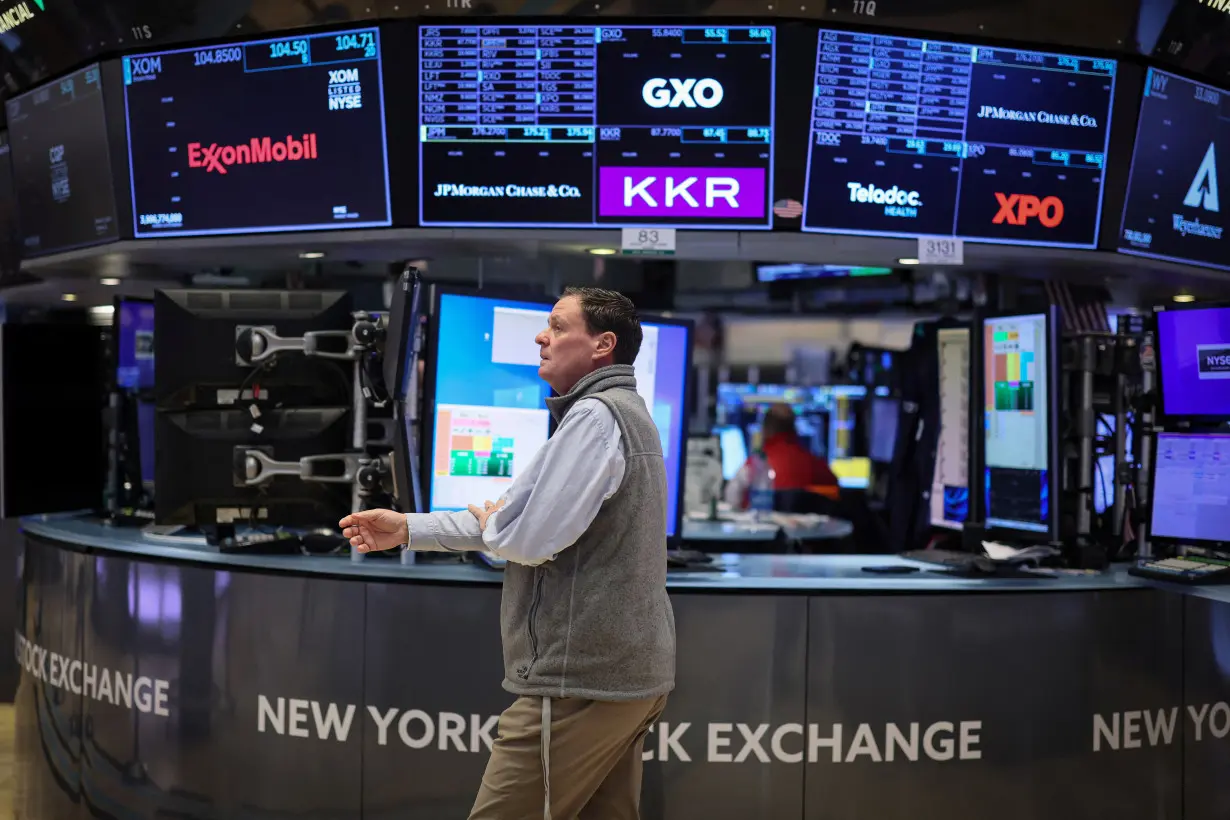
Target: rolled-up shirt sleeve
x,y
550,503
580,468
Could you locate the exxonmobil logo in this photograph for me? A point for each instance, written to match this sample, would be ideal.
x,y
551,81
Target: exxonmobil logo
x,y
257,151
1018,209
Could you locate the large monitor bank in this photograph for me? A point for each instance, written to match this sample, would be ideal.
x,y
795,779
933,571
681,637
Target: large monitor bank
x,y
165,678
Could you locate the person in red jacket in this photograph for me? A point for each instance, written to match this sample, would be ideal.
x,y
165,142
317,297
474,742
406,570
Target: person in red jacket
x,y
793,465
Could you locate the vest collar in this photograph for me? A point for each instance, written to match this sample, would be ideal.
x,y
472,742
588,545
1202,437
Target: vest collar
x,y
604,378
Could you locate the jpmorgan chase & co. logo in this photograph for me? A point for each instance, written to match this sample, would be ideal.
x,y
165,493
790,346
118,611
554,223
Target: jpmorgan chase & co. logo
x,y
673,93
1214,361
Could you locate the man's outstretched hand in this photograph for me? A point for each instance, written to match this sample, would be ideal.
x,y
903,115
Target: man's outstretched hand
x,y
375,530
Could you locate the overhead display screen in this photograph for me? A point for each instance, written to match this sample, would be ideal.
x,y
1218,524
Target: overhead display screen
x,y
568,126
1173,208
915,137
268,135
62,165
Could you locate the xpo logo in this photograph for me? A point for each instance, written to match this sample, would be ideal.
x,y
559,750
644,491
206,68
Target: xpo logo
x,y
1018,209
660,93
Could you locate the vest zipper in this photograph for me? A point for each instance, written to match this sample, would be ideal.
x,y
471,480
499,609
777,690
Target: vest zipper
x,y
525,670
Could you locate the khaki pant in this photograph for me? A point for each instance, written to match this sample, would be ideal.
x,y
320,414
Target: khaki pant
x,y
593,757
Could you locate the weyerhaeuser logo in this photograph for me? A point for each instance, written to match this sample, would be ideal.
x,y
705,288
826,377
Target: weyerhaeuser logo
x,y
1042,117
1203,191
897,201
1214,361
673,93
257,151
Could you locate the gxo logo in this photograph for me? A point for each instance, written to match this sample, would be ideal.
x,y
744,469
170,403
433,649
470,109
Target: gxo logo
x,y
660,93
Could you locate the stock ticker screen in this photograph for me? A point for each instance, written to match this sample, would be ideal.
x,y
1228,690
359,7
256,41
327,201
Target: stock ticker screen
x,y
269,135
1173,209
62,164
917,137
531,125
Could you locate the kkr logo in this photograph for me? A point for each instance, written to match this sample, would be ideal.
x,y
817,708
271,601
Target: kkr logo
x,y
1018,209
1203,191
708,193
705,93
1214,361
258,151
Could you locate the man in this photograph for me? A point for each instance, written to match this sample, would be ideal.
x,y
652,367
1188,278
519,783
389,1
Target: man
x,y
793,465
587,628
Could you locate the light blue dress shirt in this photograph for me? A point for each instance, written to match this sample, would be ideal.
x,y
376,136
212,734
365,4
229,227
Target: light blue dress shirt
x,y
551,502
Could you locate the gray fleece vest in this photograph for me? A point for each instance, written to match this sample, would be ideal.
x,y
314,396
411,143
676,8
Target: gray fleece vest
x,y
596,622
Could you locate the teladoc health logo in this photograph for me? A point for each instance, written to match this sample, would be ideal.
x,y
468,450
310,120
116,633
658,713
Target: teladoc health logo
x,y
709,193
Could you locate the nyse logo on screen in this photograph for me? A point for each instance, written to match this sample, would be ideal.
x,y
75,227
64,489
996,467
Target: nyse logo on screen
x,y
898,202
1203,190
345,90
660,93
257,151
1214,361
1019,209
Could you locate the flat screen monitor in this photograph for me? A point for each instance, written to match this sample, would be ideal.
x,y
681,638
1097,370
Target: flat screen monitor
x,y
852,473
1193,349
914,136
134,344
146,420
260,135
734,450
1105,465
1173,207
784,273
662,369
526,125
826,418
487,412
62,164
1019,435
1191,489
883,433
950,484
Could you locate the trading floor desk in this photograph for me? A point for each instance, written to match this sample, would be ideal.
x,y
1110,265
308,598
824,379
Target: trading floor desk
x,y
176,682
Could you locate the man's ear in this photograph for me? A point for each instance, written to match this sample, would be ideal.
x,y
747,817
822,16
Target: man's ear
x,y
606,344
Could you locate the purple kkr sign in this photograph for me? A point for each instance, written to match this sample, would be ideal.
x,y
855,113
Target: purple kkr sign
x,y
692,193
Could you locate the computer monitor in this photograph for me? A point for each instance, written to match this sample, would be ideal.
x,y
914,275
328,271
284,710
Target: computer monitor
x,y
826,418
852,473
203,337
400,375
950,481
663,370
1193,351
133,334
1105,466
734,450
1020,438
883,432
202,465
484,403
1191,490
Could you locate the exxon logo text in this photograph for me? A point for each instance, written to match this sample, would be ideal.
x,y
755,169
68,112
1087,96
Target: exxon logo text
x,y
258,151
140,66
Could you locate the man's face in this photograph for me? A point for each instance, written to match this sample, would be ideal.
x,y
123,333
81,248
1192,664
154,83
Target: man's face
x,y
569,352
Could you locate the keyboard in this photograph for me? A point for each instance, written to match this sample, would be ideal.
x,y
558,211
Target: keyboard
x,y
944,558
1187,570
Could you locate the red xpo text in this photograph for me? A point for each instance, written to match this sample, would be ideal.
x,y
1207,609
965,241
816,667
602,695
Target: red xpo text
x,y
257,151
1018,209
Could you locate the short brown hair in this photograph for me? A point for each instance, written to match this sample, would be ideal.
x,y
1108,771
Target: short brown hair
x,y
608,311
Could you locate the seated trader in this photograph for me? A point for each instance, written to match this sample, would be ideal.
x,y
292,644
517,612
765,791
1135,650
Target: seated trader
x,y
793,465
586,624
